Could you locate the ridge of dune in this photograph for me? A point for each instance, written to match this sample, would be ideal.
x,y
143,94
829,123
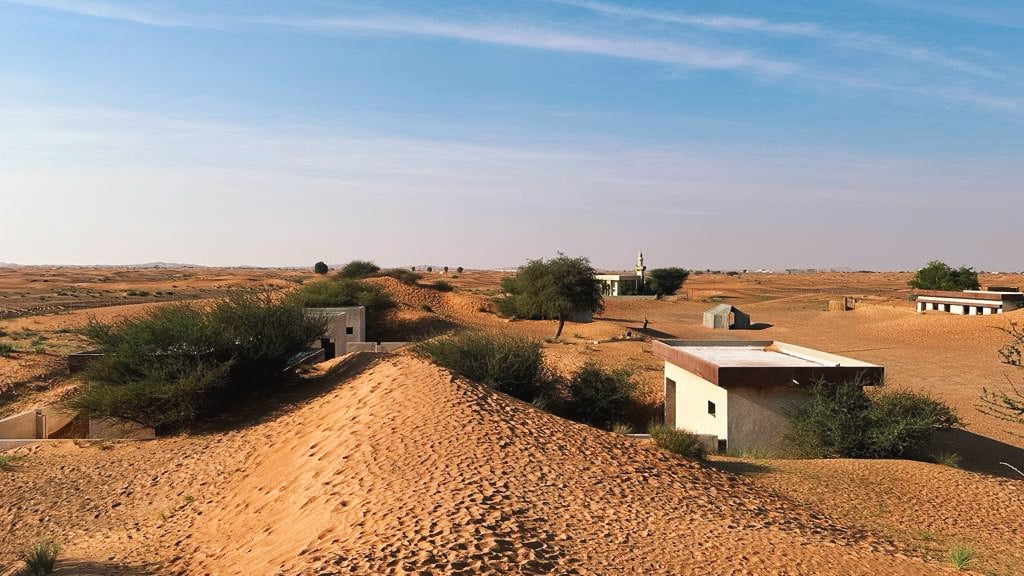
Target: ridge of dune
x,y
405,468
460,306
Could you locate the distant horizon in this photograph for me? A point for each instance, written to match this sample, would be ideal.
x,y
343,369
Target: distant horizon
x,y
869,134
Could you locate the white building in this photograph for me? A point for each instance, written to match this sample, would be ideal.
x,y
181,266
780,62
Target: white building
x,y
739,392
345,324
970,302
624,284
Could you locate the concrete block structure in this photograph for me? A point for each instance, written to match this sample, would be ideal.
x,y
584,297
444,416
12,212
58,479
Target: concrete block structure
x,y
970,302
344,324
726,317
740,391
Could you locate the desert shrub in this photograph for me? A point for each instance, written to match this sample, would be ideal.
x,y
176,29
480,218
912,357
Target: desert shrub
x,y
6,349
677,441
507,362
320,268
937,275
442,286
460,269
401,274
358,269
961,556
343,292
842,420
180,362
7,462
599,397
622,429
41,558
665,281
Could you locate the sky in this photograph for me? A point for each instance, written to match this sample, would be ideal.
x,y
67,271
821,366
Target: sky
x,y
862,134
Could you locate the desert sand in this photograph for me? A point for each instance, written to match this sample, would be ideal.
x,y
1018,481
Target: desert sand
x,y
394,466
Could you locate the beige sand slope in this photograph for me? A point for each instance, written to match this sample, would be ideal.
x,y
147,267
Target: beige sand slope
x,y
404,469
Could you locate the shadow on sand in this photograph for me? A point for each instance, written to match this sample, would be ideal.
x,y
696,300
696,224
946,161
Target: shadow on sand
x,y
80,567
739,467
979,453
754,326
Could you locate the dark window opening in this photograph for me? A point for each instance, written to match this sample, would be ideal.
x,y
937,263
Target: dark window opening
x,y
349,330
723,446
711,408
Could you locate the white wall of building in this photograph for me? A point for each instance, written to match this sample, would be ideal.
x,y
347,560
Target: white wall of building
x,y
692,396
757,416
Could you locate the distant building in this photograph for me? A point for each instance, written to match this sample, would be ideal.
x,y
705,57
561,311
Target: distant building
x,y
736,394
624,284
994,300
726,317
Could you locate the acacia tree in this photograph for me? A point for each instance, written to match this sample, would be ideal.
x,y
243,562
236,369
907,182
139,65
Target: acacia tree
x,y
937,275
666,281
555,289
1008,404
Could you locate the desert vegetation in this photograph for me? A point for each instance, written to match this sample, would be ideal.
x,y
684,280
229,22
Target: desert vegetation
x,y
40,559
937,275
842,420
177,363
554,289
1007,403
665,281
677,441
320,268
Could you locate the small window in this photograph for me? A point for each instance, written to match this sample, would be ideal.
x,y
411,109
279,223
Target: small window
x,y
349,330
711,408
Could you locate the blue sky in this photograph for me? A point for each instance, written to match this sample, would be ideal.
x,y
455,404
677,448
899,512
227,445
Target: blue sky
x,y
794,133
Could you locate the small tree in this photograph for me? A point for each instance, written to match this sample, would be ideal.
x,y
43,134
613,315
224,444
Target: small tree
x,y
460,269
320,268
938,275
445,269
555,289
1000,403
666,281
358,269
430,268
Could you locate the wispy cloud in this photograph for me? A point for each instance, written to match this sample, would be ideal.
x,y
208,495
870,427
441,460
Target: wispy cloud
x,y
862,41
114,11
528,36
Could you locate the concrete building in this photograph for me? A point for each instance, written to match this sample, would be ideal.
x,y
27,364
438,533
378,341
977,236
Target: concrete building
x,y
624,284
726,317
738,392
344,325
970,302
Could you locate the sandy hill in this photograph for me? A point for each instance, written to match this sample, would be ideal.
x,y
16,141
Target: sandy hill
x,y
401,468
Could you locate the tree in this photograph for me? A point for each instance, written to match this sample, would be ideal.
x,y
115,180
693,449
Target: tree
x,y
937,275
555,289
460,269
666,281
430,268
358,269
445,269
1002,404
320,268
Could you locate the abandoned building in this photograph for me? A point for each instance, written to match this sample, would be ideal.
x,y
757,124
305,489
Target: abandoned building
x,y
994,300
726,317
345,325
624,284
736,394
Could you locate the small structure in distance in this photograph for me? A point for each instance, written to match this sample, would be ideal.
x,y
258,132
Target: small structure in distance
x,y
624,284
726,317
993,300
736,394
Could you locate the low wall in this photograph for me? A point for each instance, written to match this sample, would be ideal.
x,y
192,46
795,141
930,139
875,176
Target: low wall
x,y
375,346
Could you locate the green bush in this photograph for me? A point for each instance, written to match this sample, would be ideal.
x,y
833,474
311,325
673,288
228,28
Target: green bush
x,y
358,269
320,268
401,274
507,362
6,349
180,362
41,559
665,281
442,286
343,292
841,420
677,441
937,275
599,397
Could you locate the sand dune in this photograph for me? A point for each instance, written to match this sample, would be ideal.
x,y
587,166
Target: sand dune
x,y
404,468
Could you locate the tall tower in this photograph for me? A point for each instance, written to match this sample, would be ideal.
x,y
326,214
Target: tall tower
x,y
640,268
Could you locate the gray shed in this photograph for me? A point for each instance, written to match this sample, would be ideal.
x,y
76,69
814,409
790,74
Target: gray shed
x,y
727,317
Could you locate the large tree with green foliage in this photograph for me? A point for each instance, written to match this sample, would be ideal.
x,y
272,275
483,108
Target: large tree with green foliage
x,y
938,275
320,268
665,281
554,289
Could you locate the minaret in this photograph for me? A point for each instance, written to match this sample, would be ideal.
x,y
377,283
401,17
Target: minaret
x,y
640,268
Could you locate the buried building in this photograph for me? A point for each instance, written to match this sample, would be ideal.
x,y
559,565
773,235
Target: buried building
x,y
345,324
994,300
737,394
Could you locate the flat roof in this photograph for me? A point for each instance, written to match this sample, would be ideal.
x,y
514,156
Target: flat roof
x,y
971,295
761,362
